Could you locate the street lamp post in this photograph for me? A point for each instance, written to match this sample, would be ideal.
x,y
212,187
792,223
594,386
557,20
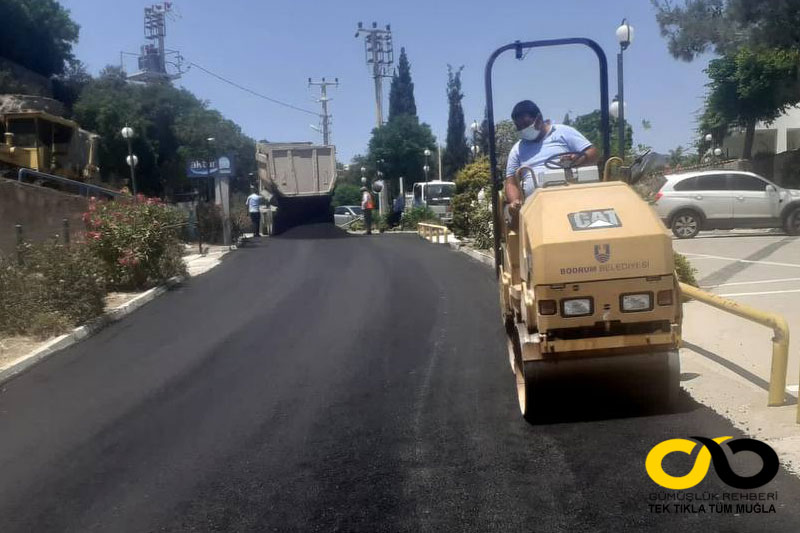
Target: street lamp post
x,y
427,167
209,182
127,134
625,38
475,127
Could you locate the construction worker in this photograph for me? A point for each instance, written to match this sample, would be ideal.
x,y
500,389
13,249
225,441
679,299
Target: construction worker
x,y
540,140
367,206
253,203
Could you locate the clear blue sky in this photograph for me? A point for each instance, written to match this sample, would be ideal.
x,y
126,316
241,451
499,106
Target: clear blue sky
x,y
273,47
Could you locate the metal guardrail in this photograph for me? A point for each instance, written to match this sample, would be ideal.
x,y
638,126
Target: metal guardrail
x,y
350,222
780,340
83,188
431,231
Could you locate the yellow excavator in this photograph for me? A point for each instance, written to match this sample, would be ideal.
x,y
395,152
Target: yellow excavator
x,y
46,143
586,274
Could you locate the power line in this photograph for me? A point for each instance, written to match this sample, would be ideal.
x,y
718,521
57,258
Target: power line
x,y
254,93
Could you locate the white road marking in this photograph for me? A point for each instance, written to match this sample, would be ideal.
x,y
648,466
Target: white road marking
x,y
758,293
735,260
750,282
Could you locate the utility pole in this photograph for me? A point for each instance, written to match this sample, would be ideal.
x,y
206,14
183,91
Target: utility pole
x,y
326,117
380,56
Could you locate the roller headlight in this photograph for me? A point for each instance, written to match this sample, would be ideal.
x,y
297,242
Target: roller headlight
x,y
636,302
576,307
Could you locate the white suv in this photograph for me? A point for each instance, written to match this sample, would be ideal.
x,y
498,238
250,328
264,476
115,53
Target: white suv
x,y
725,199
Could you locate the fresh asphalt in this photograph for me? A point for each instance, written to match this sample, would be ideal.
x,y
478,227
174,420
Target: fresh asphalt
x,y
325,382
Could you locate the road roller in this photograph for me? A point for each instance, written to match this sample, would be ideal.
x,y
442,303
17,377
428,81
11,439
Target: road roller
x,y
586,274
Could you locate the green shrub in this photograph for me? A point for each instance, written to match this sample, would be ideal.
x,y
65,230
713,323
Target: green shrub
x,y
55,288
469,182
414,216
209,222
481,227
685,270
136,240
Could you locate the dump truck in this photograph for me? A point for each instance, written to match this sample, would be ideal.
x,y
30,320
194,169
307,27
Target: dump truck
x,y
34,138
299,179
586,275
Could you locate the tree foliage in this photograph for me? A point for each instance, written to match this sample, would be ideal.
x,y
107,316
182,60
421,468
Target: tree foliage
x,y
750,86
346,194
456,152
67,87
401,144
171,127
401,93
590,126
693,27
37,34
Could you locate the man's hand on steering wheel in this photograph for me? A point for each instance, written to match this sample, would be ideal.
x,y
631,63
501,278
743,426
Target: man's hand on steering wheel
x,y
565,160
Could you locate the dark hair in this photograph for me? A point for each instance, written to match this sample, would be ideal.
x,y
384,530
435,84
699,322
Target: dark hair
x,y
525,107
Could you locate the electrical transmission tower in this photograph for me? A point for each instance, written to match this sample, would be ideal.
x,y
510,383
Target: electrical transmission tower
x,y
326,117
380,56
153,57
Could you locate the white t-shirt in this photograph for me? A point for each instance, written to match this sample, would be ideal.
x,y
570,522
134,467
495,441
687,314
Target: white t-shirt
x,y
253,202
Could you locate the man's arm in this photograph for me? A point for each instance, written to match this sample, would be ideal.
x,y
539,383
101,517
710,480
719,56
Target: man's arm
x,y
578,143
513,192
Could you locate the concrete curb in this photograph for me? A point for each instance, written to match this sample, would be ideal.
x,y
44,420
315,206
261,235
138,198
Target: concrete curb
x,y
87,330
484,258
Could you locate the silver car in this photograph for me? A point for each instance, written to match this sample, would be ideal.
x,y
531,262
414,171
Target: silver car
x,y
725,199
346,213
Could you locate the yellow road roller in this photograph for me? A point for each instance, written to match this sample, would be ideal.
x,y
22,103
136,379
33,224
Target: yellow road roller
x,y
586,275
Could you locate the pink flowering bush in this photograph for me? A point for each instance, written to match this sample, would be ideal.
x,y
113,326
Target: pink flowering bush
x,y
137,240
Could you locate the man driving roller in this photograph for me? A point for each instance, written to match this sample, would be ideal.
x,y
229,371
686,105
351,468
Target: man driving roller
x,y
540,141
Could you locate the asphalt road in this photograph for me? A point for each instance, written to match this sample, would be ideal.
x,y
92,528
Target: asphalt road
x,y
320,382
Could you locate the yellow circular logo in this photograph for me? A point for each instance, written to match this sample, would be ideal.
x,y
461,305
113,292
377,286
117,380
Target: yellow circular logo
x,y
699,470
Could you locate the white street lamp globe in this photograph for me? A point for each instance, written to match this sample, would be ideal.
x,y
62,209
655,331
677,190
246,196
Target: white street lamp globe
x,y
427,152
135,160
709,137
363,180
625,34
363,170
717,152
474,125
211,139
127,132
426,168
613,109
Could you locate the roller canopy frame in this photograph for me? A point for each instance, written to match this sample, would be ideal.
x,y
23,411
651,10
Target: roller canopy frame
x,y
497,178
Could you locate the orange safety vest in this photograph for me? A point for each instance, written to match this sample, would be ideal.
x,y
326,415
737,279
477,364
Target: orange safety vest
x,y
370,205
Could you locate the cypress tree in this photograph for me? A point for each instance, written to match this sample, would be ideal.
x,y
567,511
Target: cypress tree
x,y
401,92
456,153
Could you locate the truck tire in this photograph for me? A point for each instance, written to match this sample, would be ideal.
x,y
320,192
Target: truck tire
x,y
685,224
792,221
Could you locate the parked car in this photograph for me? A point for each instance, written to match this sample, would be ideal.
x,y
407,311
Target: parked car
x,y
725,199
345,213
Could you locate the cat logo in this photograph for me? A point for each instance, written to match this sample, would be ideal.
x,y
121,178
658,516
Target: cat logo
x,y
602,252
594,219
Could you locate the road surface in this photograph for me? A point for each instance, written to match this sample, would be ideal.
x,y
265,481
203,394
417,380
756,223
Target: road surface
x,y
324,382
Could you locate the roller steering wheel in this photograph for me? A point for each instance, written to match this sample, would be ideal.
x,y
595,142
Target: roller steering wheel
x,y
554,162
